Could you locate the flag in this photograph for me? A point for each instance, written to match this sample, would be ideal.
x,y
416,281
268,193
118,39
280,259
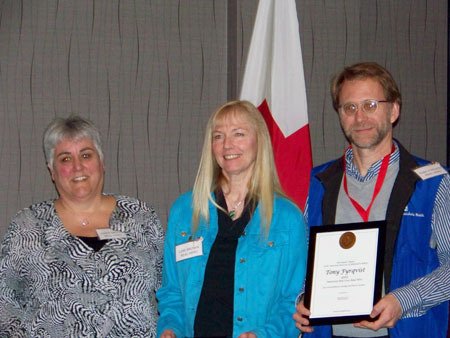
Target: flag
x,y
275,82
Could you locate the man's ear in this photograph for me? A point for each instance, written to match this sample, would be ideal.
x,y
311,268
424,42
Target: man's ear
x,y
395,112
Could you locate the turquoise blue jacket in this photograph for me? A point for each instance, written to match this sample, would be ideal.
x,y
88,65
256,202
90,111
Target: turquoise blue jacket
x,y
408,253
269,271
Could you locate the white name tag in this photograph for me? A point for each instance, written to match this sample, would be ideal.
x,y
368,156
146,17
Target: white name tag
x,y
430,170
108,233
189,249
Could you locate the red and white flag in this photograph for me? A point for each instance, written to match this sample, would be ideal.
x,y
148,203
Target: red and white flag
x,y
275,82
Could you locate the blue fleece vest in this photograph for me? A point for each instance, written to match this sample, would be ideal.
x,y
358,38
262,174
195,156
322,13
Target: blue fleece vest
x,y
413,257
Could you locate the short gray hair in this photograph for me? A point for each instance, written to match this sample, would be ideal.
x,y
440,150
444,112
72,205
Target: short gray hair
x,y
74,128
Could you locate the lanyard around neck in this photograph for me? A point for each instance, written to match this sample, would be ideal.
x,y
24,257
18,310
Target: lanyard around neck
x,y
364,213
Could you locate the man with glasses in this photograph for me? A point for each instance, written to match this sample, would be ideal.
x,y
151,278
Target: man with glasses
x,y
377,179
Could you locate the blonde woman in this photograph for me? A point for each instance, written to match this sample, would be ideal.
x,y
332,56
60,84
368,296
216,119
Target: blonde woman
x,y
235,250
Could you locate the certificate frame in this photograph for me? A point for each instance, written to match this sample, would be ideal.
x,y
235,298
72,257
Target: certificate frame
x,y
331,296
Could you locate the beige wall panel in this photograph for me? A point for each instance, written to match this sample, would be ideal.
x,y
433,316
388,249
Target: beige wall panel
x,y
408,37
150,72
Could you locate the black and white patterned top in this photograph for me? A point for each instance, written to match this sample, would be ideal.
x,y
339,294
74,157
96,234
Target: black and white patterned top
x,y
53,285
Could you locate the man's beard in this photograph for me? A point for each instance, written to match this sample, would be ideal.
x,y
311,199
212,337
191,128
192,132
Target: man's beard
x,y
382,131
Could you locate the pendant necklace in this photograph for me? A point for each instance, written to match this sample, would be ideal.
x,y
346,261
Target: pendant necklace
x,y
232,212
83,221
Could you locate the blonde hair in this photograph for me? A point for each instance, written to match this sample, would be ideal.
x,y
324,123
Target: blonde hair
x,y
264,182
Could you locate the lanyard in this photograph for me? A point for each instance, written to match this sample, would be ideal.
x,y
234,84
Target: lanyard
x,y
364,213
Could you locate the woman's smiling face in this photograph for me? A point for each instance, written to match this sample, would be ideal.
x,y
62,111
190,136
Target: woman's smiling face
x,y
235,145
77,169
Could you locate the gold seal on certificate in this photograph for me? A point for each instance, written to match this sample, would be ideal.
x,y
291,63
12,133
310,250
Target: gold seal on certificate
x,y
344,272
347,240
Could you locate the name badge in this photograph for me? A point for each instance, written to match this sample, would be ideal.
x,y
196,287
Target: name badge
x,y
108,233
189,249
430,170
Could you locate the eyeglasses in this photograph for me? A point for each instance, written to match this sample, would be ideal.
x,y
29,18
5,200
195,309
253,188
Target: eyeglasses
x,y
367,106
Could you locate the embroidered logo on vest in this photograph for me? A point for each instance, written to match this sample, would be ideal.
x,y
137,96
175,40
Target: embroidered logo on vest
x,y
406,212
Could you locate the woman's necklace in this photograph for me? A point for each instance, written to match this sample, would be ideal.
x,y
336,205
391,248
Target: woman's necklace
x,y
232,212
84,221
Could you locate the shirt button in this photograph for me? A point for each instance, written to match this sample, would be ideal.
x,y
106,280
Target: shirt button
x,y
242,260
240,319
241,289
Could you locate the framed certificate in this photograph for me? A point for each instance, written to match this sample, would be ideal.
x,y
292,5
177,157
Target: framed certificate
x,y
344,272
